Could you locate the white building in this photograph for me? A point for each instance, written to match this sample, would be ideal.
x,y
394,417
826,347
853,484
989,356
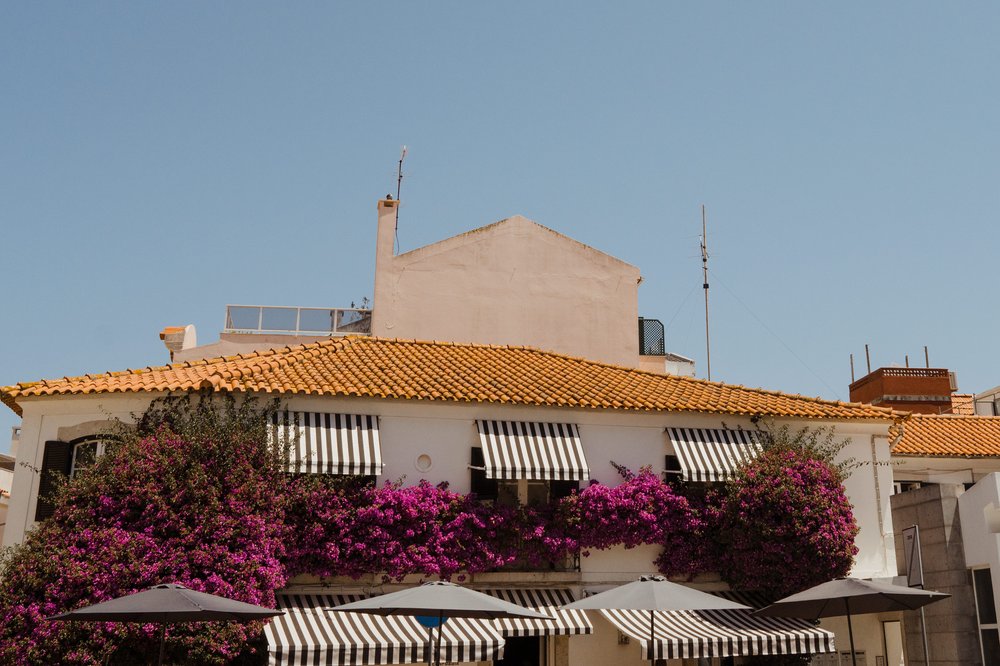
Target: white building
x,y
429,402
501,295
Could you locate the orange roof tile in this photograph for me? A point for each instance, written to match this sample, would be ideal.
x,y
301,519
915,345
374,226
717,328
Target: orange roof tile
x,y
439,371
950,436
963,404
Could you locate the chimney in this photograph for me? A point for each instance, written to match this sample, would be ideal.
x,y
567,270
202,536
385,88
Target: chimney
x,y
386,241
385,244
179,338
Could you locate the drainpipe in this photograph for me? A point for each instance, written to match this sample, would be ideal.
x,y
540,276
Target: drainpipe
x,y
878,503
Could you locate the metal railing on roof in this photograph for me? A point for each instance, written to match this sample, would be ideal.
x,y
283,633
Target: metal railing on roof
x,y
290,320
652,341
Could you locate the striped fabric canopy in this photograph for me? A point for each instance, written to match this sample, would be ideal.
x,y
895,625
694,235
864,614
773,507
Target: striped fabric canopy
x,y
308,634
720,633
548,601
713,455
330,443
534,451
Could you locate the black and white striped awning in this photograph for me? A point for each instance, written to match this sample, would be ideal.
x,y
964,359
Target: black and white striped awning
x,y
713,455
331,443
548,601
534,451
308,634
720,633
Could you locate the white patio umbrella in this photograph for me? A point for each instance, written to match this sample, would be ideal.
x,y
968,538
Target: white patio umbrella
x,y
847,596
168,604
654,593
434,602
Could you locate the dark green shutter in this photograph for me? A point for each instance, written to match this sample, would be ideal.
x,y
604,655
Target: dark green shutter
x,y
485,489
56,462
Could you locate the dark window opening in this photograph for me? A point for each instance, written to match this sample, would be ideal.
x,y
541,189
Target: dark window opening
x,y
522,651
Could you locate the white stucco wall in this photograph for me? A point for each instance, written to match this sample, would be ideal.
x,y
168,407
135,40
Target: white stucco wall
x,y
979,512
446,432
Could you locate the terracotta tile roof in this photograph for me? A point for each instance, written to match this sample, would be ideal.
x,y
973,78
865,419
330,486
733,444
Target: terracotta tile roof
x,y
950,436
963,404
438,371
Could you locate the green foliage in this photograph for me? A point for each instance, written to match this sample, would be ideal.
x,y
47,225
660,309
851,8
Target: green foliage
x,y
816,443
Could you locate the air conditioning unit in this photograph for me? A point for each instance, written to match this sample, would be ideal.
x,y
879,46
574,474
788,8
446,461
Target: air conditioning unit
x,y
954,381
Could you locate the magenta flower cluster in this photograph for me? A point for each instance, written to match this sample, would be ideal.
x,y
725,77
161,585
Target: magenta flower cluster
x,y
787,525
338,527
157,511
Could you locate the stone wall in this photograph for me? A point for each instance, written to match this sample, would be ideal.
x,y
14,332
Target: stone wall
x,y
952,630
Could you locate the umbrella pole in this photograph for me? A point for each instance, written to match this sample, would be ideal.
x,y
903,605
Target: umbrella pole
x,y
850,632
440,627
652,633
430,645
163,639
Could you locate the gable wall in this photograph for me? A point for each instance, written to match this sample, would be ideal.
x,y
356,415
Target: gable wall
x,y
513,283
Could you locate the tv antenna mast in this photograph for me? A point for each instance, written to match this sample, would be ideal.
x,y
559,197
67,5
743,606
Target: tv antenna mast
x,y
704,268
399,185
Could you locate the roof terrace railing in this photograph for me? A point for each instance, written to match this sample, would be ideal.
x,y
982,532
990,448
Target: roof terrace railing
x,y
289,320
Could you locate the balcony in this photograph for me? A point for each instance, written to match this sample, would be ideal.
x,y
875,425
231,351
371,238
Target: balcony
x,y
287,320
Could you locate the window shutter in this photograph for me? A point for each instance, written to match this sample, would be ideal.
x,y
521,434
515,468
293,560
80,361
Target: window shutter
x,y
56,460
485,489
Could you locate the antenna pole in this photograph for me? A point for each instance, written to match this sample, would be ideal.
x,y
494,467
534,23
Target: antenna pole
x,y
399,185
852,368
704,269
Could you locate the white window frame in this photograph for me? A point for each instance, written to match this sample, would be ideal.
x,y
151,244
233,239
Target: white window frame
x,y
101,447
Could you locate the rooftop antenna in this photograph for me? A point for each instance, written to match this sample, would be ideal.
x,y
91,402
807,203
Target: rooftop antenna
x,y
399,185
704,268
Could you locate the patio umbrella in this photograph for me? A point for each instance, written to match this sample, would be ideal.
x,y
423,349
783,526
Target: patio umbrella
x,y
847,596
434,602
655,593
168,604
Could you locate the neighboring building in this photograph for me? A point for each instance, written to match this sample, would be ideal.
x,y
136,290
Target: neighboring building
x,y
433,405
945,473
7,480
987,403
513,282
916,390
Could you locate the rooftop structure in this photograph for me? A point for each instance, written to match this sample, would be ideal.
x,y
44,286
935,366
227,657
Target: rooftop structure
x,y
920,390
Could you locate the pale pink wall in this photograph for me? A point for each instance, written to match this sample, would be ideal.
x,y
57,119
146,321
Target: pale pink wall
x,y
514,282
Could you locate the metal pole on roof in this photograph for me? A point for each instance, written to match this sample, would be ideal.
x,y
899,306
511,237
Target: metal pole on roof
x,y
399,186
704,267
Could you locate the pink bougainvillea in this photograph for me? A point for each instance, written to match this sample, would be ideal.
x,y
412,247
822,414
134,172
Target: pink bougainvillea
x,y
787,525
198,510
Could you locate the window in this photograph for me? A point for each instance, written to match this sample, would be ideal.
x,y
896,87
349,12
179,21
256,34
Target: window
x,y
86,451
905,486
986,611
528,492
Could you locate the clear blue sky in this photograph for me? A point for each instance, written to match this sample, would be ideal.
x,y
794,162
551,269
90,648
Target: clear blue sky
x,y
159,160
